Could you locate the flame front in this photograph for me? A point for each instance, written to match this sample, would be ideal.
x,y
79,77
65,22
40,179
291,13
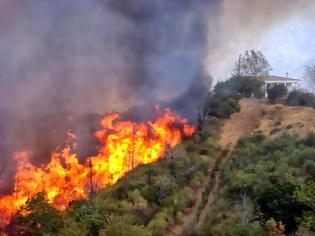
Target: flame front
x,y
124,145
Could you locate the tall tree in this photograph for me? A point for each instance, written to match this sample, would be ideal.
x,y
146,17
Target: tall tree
x,y
252,63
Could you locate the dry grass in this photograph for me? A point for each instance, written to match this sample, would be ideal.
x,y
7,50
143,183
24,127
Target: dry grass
x,y
271,120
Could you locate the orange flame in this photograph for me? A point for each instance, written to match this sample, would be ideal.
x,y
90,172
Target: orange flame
x,y
124,145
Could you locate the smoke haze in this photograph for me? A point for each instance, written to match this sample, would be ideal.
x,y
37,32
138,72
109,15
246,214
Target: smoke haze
x,y
61,57
244,24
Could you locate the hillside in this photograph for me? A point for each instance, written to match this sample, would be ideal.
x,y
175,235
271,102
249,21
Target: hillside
x,y
271,120
277,151
215,183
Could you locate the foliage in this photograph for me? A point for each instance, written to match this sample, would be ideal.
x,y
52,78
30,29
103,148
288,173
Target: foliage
x,y
221,107
276,91
274,228
37,217
124,226
301,98
252,63
144,203
270,182
239,86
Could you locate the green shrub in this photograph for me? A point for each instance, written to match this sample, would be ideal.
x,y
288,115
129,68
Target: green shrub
x,y
149,193
158,224
276,91
309,168
124,226
228,107
197,179
221,107
301,98
210,142
310,140
239,86
190,146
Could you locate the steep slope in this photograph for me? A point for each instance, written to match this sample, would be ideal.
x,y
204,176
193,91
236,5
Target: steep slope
x,y
271,120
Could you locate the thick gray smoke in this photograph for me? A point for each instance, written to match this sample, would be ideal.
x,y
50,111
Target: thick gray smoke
x,y
60,58
66,57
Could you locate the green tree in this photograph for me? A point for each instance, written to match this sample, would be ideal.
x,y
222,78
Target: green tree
x,y
277,200
37,217
252,63
238,85
277,91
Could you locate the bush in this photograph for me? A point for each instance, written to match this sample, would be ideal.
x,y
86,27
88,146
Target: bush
x,y
239,86
124,226
301,98
228,107
277,91
190,146
158,224
221,107
310,140
309,168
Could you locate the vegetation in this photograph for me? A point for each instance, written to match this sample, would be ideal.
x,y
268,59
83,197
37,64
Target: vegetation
x,y
301,98
240,86
220,107
268,188
252,63
276,91
145,202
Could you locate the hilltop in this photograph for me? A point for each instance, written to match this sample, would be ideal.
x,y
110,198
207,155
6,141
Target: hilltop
x,y
257,115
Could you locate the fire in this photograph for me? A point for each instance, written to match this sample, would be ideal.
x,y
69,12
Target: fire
x,y
123,146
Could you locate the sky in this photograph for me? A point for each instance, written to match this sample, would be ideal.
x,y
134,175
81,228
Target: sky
x,y
290,47
283,30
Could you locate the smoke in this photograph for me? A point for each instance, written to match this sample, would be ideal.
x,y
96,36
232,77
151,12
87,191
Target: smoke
x,y
243,25
61,59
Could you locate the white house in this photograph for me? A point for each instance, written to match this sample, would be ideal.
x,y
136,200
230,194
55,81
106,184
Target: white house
x,y
269,81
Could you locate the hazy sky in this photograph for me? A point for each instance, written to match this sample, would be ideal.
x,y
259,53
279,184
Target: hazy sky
x,y
284,30
290,46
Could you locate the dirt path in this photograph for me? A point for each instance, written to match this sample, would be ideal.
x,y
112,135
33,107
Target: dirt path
x,y
178,229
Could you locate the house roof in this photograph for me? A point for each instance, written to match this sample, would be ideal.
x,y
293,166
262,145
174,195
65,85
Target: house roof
x,y
270,78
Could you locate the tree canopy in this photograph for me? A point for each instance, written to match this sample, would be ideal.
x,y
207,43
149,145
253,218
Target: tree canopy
x,y
252,63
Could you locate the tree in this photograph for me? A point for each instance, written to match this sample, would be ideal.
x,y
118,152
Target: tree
x,y
274,228
41,218
278,201
252,63
310,75
277,91
239,86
